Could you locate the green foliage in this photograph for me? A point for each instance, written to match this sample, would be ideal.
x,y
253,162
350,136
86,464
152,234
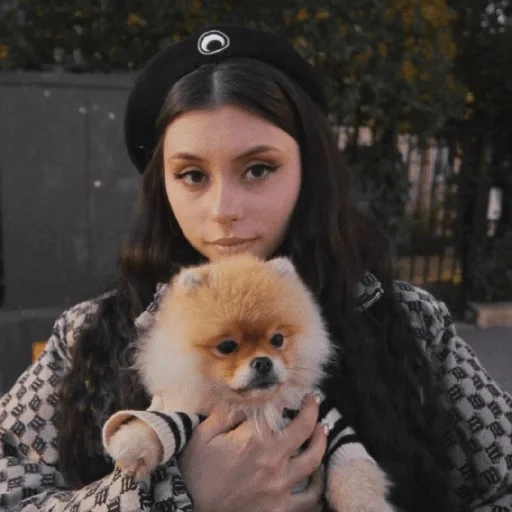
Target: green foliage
x,y
483,34
387,63
99,35
384,63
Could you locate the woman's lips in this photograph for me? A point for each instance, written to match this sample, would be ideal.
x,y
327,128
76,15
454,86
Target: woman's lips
x,y
231,241
231,245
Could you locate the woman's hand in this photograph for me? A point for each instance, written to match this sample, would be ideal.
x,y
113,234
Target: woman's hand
x,y
231,468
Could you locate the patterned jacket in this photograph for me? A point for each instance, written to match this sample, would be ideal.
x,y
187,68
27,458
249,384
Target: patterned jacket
x,y
481,472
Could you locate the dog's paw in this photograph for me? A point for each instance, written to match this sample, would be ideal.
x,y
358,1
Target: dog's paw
x,y
357,485
136,449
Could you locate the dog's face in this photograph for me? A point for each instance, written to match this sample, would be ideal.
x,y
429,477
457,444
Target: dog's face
x,y
248,330
251,361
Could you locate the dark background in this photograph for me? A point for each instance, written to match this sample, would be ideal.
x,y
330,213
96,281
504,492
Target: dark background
x,y
67,194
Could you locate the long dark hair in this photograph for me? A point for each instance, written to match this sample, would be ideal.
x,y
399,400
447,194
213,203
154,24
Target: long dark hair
x,y
381,369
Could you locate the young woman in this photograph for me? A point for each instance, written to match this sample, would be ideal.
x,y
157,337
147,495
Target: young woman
x,y
229,130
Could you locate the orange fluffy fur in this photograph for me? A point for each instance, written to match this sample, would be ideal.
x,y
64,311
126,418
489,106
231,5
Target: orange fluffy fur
x,y
247,300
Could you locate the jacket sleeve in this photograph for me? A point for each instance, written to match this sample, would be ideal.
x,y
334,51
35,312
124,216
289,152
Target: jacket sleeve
x,y
173,429
29,476
481,412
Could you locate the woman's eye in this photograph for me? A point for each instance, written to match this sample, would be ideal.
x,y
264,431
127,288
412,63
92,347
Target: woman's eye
x,y
259,171
191,177
227,347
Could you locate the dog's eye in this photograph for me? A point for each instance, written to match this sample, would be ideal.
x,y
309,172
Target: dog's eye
x,y
227,347
277,340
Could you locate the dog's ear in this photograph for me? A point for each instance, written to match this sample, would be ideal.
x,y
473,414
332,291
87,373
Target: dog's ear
x,y
190,279
283,265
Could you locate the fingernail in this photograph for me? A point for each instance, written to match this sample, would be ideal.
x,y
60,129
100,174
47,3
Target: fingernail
x,y
326,427
305,399
317,397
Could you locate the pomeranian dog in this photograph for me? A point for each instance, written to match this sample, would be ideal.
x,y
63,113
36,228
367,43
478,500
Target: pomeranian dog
x,y
247,334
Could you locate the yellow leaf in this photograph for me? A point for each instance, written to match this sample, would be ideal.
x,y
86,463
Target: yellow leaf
x,y
302,14
196,7
135,21
299,41
409,71
408,16
429,13
382,48
366,56
322,15
4,51
451,83
409,42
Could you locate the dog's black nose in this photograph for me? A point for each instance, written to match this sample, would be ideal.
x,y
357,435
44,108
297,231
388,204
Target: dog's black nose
x,y
263,365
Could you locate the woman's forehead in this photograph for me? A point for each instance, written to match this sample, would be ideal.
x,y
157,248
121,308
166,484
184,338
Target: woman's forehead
x,y
223,128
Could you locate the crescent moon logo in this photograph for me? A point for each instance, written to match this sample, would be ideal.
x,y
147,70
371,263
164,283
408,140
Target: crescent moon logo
x,y
213,41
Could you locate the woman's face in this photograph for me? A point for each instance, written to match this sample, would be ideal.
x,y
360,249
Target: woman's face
x,y
232,180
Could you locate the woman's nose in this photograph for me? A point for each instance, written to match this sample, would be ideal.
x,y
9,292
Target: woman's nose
x,y
226,204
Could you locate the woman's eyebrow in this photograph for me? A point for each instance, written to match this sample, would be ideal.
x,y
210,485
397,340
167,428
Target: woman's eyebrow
x,y
181,155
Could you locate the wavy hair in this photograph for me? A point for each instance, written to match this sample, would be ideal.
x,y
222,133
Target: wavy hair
x,y
382,381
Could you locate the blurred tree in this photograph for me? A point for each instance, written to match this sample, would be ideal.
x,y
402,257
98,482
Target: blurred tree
x,y
387,63
483,35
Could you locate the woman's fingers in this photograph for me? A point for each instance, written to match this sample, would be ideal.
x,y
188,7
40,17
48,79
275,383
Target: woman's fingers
x,y
219,421
303,425
309,460
310,500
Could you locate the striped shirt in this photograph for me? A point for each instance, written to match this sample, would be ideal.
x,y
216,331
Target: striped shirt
x,y
174,430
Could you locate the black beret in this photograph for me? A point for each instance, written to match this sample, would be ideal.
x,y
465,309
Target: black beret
x,y
213,44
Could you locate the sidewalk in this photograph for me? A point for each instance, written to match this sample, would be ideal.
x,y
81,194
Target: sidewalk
x,y
494,349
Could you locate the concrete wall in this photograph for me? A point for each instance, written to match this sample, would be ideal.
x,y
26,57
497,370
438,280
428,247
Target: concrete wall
x,y
67,195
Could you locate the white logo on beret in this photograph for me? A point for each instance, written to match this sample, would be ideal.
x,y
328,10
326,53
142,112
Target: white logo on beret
x,y
213,41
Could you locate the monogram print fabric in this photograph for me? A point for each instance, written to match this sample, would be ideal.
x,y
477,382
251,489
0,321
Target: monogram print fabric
x,y
481,456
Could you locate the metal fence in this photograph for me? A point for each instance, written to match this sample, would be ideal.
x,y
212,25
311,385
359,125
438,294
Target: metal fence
x,y
458,204
432,256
